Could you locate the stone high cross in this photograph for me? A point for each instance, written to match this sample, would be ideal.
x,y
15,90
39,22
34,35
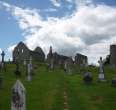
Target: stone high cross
x,y
2,63
3,54
18,101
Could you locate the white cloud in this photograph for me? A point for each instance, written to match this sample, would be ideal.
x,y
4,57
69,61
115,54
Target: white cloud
x,y
89,30
50,10
0,50
83,2
11,48
56,3
80,2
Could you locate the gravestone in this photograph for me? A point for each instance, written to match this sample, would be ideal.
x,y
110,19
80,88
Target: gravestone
x,y
65,66
51,63
18,100
101,75
114,82
88,77
30,70
17,71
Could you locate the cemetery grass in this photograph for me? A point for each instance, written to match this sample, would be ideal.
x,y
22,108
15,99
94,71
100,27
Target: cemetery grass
x,y
45,91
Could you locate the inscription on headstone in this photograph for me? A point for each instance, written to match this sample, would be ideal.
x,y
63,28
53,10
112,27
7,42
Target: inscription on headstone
x,y
18,101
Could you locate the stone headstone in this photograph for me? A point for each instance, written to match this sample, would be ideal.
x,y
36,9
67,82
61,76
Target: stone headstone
x,y
18,100
88,77
30,69
17,71
101,75
114,82
65,66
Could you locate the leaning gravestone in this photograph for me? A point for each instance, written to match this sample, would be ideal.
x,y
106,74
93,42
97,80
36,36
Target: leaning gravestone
x,y
101,70
18,101
87,77
30,69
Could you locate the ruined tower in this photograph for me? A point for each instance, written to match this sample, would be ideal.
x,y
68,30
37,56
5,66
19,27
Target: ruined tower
x,y
50,54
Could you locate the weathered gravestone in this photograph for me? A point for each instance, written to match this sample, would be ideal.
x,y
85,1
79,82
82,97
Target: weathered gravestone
x,y
18,100
88,77
30,70
101,70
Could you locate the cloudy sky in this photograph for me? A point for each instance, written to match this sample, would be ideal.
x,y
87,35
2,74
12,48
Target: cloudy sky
x,y
69,26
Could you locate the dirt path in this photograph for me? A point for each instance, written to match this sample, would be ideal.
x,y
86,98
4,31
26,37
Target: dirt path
x,y
66,106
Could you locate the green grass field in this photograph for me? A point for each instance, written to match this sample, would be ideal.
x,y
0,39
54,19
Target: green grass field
x,y
45,91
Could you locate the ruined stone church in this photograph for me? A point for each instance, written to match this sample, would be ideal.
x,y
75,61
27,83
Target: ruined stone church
x,y
22,52
80,60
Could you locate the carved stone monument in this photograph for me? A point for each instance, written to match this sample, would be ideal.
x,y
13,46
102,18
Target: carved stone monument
x,y
2,62
18,101
101,70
